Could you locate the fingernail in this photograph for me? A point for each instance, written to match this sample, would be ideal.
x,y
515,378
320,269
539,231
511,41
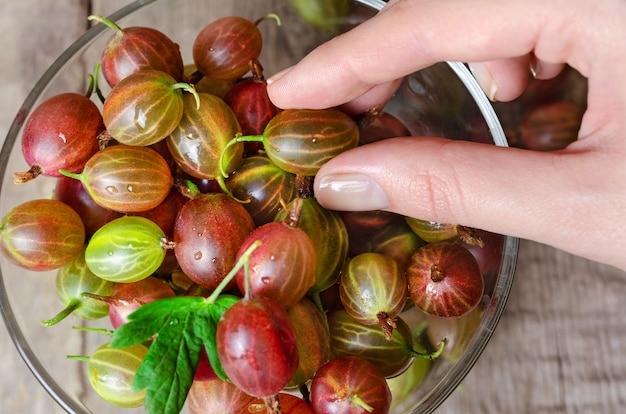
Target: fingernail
x,y
484,79
277,75
350,192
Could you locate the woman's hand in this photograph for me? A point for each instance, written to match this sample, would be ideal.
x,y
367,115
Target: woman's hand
x,y
574,199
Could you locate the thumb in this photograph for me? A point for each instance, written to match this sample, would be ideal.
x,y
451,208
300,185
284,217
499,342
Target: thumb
x,y
527,194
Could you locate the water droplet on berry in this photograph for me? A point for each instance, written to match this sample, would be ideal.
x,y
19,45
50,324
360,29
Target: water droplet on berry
x,y
192,155
140,118
191,134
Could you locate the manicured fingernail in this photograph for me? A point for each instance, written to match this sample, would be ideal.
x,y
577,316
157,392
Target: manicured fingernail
x,y
277,75
484,79
350,192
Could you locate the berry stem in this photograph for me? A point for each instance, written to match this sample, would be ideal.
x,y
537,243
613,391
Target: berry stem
x,y
90,86
24,177
436,273
97,330
387,324
71,307
257,70
272,404
247,293
78,358
239,138
226,190
470,236
431,355
358,401
195,77
294,213
187,188
96,85
365,119
107,22
106,299
71,174
268,16
244,261
304,185
188,88
104,139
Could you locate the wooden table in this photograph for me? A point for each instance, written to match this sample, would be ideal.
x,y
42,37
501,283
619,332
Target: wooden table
x,y
559,347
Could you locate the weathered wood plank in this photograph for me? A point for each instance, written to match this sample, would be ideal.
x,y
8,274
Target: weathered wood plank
x,y
558,348
33,34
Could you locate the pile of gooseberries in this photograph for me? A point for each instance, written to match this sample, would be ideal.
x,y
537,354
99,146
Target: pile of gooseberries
x,y
177,181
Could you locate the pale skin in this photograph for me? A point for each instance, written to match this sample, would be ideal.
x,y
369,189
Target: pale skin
x,y
574,199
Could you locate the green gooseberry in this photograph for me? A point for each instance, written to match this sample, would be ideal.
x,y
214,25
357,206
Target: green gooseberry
x,y
127,249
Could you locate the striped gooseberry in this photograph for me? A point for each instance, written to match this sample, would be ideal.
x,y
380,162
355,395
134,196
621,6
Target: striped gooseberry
x,y
41,234
214,54
444,279
350,385
71,282
373,290
111,372
264,186
127,249
135,48
61,133
300,141
208,232
282,268
257,346
330,237
144,107
126,179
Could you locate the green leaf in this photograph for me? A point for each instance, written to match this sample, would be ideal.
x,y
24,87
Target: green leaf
x,y
180,327
150,318
168,369
207,332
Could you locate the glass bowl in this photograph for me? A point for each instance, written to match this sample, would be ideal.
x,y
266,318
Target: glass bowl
x,y
441,100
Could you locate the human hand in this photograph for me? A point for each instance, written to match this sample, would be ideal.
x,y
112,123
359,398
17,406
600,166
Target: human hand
x,y
574,199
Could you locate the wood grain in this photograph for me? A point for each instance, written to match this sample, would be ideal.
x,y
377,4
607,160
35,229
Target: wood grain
x,y
33,34
559,347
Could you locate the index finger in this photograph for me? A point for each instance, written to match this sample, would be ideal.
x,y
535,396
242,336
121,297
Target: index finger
x,y
407,35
